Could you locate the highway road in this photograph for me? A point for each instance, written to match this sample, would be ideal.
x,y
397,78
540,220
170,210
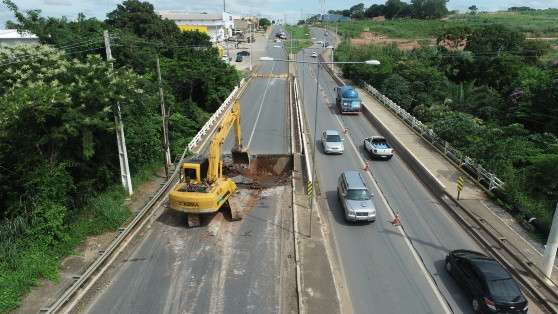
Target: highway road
x,y
265,127
385,269
222,266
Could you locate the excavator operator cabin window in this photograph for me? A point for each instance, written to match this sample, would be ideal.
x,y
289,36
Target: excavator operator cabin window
x,y
190,173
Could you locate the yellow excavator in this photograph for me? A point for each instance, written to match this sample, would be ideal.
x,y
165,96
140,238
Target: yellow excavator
x,y
202,188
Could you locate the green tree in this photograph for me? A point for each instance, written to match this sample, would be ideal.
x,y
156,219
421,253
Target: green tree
x,y
396,9
454,37
398,89
264,22
487,104
65,106
529,101
374,10
473,9
429,9
499,72
462,130
533,49
494,39
357,11
139,18
427,83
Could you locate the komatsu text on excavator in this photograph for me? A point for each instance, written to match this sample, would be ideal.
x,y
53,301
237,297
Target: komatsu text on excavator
x,y
202,188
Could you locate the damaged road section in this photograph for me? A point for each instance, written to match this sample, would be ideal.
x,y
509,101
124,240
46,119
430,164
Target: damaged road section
x,y
221,266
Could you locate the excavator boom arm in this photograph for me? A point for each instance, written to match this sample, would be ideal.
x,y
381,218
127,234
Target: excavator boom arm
x,y
232,117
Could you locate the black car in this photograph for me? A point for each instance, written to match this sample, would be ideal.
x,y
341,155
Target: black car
x,y
238,58
486,282
243,53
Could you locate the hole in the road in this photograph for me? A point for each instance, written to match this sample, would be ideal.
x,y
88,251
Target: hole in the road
x,y
264,171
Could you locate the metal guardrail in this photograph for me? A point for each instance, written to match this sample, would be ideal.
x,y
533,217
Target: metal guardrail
x,y
483,176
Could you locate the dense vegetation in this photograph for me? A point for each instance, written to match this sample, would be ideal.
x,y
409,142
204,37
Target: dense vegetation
x,y
59,168
486,89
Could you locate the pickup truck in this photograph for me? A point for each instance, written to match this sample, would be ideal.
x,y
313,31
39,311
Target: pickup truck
x,y
378,147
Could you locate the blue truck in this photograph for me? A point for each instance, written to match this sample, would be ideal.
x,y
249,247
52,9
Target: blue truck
x,y
347,99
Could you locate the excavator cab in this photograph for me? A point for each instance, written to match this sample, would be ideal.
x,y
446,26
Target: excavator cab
x,y
195,169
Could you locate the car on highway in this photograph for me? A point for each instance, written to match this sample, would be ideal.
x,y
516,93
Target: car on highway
x,y
243,53
314,55
332,142
486,282
238,58
355,198
378,147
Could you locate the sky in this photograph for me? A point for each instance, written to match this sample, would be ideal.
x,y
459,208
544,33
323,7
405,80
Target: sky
x,y
288,10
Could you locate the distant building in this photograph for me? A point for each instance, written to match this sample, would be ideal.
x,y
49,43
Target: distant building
x,y
334,18
217,26
11,37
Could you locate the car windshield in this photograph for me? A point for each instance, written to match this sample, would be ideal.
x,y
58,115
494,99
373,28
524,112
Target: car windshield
x,y
359,195
333,138
504,289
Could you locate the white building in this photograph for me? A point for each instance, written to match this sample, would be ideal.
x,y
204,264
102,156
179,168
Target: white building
x,y
218,26
11,37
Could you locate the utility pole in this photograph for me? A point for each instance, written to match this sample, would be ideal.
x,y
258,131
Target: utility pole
x,y
120,138
166,150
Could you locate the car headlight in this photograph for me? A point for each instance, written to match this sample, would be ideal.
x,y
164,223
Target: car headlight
x,y
351,212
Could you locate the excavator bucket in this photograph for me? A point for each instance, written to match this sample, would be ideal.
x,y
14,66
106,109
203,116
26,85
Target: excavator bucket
x,y
241,156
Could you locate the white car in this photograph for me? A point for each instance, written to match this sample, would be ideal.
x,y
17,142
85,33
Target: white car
x,y
332,142
314,55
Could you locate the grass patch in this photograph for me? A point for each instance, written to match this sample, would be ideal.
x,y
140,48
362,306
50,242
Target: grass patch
x,y
299,38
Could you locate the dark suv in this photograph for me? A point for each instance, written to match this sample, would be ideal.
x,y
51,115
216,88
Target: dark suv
x,y
486,282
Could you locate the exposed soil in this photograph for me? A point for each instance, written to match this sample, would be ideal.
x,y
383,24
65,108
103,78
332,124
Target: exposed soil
x,y
262,173
367,38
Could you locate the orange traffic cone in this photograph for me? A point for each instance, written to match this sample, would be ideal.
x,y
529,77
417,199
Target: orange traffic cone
x,y
396,220
366,168
346,130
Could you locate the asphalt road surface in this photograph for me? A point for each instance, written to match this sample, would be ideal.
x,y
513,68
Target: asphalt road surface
x,y
386,269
